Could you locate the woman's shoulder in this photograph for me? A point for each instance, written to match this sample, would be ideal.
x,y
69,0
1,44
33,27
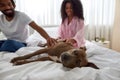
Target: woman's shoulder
x,y
78,19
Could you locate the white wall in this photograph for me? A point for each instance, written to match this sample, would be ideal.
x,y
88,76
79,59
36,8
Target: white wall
x,y
116,28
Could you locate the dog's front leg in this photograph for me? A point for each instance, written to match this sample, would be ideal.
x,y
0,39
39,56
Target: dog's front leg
x,y
20,62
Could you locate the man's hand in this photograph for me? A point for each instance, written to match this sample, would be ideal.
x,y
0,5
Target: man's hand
x,y
51,42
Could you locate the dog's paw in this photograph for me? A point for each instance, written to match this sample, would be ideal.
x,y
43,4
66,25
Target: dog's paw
x,y
15,59
19,62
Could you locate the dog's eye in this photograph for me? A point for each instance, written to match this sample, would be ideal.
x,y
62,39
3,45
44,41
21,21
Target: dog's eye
x,y
76,53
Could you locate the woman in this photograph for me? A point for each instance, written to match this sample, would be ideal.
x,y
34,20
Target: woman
x,y
72,26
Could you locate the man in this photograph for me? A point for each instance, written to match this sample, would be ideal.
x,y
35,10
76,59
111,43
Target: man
x,y
13,24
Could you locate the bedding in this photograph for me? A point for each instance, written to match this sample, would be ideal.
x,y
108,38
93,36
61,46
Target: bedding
x,y
106,59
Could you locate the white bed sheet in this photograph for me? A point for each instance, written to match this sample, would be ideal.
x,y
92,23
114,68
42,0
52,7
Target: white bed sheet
x,y
107,60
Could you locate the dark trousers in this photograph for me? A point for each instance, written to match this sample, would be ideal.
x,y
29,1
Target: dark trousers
x,y
11,45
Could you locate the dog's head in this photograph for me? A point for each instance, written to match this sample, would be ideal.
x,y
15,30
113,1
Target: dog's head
x,y
74,58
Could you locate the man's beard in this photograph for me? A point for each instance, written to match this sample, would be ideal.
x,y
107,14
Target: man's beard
x,y
9,14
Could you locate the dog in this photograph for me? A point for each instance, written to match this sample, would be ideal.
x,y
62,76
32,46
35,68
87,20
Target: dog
x,y
61,52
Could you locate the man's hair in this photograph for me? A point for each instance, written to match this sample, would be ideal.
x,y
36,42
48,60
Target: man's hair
x,y
13,3
76,7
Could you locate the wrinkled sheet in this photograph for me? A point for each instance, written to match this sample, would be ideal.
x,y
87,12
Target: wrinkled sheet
x,y
107,60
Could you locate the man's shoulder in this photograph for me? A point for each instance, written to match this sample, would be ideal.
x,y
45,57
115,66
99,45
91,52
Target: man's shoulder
x,y
1,15
19,13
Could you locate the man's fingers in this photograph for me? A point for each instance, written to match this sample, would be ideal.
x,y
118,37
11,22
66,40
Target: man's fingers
x,y
51,42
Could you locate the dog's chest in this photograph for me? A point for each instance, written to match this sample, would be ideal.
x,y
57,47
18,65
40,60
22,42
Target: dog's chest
x,y
58,49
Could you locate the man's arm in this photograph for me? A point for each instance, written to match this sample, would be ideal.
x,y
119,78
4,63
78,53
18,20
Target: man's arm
x,y
43,33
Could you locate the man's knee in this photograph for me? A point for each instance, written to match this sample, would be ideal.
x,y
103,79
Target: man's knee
x,y
11,45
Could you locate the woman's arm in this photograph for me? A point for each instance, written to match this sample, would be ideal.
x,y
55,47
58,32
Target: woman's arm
x,y
79,36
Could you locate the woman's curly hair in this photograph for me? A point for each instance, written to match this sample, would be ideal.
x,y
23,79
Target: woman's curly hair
x,y
76,7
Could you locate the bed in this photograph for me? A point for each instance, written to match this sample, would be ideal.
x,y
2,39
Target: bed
x,y
106,59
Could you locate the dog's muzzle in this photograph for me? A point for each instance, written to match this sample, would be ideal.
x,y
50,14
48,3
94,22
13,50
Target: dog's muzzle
x,y
65,57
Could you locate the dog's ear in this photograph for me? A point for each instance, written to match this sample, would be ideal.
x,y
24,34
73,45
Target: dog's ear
x,y
90,64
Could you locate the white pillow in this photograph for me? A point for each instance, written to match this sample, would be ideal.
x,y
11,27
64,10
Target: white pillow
x,y
36,39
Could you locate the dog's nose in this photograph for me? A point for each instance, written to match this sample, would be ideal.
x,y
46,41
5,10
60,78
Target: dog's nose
x,y
65,57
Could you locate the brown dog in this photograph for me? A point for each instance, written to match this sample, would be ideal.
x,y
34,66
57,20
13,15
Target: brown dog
x,y
63,52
